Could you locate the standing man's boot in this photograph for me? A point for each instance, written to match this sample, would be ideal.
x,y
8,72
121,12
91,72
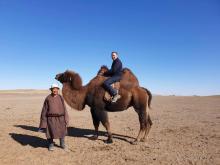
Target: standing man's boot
x,y
50,145
62,143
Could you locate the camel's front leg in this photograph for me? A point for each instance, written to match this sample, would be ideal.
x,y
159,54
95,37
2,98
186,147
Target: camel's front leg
x,y
96,122
107,127
105,122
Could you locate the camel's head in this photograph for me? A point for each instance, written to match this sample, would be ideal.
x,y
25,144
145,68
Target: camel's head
x,y
102,70
62,77
70,77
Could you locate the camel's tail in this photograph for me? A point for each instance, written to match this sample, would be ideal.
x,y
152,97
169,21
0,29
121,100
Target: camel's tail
x,y
150,97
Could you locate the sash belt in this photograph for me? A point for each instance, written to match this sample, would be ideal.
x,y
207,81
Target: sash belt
x,y
54,115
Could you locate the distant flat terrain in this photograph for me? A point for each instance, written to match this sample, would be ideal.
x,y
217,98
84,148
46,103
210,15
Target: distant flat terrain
x,y
186,130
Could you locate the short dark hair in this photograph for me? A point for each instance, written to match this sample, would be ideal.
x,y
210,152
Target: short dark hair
x,y
115,53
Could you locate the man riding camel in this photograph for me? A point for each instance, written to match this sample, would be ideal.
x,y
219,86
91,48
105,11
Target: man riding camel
x,y
115,74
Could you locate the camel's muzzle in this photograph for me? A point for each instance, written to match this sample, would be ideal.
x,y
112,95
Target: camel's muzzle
x,y
57,77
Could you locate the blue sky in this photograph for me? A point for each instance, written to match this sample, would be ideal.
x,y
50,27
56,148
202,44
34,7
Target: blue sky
x,y
172,46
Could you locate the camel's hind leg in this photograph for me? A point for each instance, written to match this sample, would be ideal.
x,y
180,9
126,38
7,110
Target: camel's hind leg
x,y
96,122
149,123
142,121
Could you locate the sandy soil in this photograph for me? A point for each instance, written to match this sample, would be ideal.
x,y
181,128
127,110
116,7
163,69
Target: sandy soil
x,y
186,130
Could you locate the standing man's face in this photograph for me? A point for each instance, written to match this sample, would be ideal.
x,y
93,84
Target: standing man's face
x,y
54,91
114,56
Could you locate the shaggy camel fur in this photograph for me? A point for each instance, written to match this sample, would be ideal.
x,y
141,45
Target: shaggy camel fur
x,y
78,96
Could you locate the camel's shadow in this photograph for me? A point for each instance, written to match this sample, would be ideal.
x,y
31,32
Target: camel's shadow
x,y
33,141
80,132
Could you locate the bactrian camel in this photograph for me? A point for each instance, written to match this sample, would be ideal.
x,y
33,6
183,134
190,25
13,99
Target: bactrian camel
x,y
78,96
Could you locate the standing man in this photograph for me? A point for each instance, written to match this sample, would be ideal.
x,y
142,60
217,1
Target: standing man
x,y
54,118
115,74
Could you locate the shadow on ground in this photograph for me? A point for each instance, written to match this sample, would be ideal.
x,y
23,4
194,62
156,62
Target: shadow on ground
x,y
80,132
33,141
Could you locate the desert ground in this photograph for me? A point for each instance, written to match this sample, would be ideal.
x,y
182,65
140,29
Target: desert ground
x,y
186,130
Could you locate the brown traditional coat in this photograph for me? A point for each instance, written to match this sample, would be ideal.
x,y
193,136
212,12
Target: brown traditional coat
x,y
54,117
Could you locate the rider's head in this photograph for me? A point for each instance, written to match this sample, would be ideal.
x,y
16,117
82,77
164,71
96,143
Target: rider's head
x,y
114,55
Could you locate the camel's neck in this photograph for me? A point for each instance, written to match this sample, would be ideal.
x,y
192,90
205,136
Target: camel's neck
x,y
74,98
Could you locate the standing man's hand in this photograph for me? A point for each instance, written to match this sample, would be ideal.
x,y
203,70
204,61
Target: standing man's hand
x,y
67,123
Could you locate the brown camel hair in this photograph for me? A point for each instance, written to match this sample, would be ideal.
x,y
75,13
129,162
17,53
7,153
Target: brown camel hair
x,y
77,96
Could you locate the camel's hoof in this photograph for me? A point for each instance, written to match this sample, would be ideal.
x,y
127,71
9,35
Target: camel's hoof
x,y
143,140
134,142
108,141
95,137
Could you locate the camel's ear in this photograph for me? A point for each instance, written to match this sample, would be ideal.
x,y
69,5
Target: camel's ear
x,y
104,67
76,81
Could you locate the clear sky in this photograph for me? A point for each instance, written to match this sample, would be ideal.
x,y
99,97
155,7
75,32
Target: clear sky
x,y
173,46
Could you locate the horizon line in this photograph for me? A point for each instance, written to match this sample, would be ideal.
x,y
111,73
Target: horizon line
x,y
155,94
